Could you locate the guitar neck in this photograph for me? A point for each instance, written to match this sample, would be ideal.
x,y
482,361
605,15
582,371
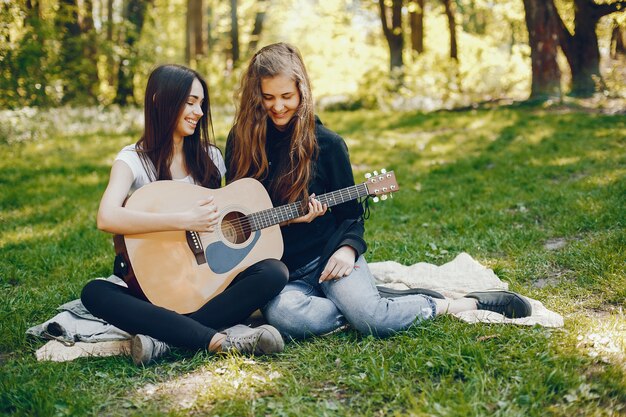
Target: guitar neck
x,y
270,217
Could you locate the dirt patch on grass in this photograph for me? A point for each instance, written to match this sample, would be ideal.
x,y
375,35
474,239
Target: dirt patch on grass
x,y
605,338
552,278
555,243
546,282
205,387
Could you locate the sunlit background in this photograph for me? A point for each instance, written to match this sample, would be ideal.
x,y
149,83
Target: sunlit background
x,y
84,51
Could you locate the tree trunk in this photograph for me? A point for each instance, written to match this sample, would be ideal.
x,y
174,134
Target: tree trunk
x,y
209,28
542,35
109,42
234,32
135,14
71,51
198,39
68,20
617,41
33,11
90,52
416,20
194,44
27,62
258,26
188,31
393,32
447,4
78,58
584,57
581,49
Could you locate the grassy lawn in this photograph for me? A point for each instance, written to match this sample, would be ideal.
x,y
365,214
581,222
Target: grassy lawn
x,y
537,195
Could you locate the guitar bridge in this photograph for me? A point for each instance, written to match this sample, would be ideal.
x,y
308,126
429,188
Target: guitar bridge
x,y
195,244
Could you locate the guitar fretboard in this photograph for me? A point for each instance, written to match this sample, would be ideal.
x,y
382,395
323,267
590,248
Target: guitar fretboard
x,y
270,217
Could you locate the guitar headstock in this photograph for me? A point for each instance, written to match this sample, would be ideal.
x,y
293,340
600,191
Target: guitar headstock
x,y
381,184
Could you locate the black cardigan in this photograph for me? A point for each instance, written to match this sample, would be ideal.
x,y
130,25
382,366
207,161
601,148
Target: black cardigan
x,y
331,171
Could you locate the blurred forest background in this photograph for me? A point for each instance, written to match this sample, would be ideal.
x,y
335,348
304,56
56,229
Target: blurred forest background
x,y
390,54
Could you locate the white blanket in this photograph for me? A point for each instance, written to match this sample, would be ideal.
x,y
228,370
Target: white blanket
x,y
458,277
59,352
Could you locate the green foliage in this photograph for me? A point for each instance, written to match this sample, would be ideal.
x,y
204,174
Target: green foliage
x,y
26,62
455,85
49,57
42,60
500,184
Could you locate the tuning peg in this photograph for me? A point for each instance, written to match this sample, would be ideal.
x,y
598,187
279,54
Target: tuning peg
x,y
375,172
383,171
368,175
383,197
375,199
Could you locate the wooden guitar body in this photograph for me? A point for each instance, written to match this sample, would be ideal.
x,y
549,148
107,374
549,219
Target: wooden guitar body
x,y
168,270
182,270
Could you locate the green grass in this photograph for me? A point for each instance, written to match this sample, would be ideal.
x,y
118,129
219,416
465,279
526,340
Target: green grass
x,y
497,184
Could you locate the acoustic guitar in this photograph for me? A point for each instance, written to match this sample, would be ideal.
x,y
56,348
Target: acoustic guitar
x,y
182,270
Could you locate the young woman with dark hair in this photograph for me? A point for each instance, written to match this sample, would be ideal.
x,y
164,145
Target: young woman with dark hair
x,y
278,140
176,145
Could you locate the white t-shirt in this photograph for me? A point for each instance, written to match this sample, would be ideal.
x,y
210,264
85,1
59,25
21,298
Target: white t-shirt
x,y
130,156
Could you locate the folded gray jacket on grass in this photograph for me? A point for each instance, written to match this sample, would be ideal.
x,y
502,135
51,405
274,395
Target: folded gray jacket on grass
x,y
74,323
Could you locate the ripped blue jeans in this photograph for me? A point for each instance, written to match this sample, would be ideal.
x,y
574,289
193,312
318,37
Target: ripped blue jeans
x,y
307,308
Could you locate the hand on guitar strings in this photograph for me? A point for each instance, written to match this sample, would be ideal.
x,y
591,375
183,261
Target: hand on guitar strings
x,y
340,264
203,216
316,209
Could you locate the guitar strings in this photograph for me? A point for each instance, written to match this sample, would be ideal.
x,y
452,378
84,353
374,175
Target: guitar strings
x,y
244,225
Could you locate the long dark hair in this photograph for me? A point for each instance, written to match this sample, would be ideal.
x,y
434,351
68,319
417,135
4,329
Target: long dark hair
x,y
248,157
166,95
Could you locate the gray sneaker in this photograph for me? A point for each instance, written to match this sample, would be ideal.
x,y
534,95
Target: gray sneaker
x,y
262,340
145,349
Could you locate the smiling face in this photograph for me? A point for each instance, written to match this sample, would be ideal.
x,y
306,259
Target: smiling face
x,y
191,113
281,99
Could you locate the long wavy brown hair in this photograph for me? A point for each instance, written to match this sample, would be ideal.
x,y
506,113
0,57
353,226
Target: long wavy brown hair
x,y
166,95
249,158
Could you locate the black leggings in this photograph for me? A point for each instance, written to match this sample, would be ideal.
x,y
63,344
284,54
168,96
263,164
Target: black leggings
x,y
250,290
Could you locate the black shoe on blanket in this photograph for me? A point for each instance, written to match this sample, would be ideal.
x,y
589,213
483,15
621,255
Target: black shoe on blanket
x,y
507,303
392,292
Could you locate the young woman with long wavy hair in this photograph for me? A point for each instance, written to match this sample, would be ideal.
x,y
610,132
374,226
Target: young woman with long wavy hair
x,y
175,145
277,139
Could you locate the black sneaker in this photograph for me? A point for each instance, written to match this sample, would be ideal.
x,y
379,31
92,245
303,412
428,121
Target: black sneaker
x,y
507,303
393,293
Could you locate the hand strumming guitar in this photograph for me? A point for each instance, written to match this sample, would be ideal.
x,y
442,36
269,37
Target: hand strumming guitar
x,y
203,216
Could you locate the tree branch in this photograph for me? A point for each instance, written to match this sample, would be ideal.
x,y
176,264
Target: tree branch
x,y
383,18
565,36
563,31
600,10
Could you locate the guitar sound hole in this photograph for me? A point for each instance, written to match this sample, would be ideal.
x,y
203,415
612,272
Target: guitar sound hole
x,y
236,227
